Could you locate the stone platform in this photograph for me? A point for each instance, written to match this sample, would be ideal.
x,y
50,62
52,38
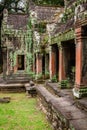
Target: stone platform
x,y
17,87
62,110
55,90
14,83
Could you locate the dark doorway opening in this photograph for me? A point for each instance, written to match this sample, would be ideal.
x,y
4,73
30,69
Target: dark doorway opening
x,y
69,58
43,64
35,63
47,62
20,62
47,74
56,59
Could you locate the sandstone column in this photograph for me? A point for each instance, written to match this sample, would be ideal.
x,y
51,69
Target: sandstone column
x,y
38,63
61,65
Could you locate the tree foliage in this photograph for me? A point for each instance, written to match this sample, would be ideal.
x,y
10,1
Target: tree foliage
x,y
22,5
50,2
13,5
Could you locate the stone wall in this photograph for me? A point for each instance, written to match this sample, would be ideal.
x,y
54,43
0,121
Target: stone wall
x,y
54,116
17,39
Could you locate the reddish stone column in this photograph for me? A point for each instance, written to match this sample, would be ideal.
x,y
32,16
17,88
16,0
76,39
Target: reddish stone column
x,y
78,76
81,57
38,64
78,63
61,66
52,63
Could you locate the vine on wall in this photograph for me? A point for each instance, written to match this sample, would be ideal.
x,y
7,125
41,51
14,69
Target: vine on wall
x,y
29,45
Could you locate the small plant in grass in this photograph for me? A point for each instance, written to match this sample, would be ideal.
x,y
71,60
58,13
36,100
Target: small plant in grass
x,y
83,92
54,78
64,83
32,75
38,76
46,74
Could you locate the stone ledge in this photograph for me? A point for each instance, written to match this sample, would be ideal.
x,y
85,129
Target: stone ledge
x,y
61,111
17,87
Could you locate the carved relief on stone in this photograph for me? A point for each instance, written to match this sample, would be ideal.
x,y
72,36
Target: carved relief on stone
x,y
79,10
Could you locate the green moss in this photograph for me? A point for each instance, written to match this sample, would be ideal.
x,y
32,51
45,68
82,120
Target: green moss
x,y
63,37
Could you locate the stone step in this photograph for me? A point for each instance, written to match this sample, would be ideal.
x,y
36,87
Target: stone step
x,y
11,81
17,79
17,87
55,90
61,111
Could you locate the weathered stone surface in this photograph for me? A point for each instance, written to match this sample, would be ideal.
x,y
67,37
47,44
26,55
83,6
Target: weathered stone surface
x,y
82,103
31,83
80,124
5,100
17,87
62,111
30,89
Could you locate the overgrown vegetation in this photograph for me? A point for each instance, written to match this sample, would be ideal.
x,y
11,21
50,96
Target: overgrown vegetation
x,y
64,84
50,2
22,5
54,78
19,6
21,113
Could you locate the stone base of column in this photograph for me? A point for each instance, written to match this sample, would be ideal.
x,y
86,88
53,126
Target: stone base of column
x,y
80,91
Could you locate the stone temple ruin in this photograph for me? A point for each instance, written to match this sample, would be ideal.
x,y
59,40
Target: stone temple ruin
x,y
47,43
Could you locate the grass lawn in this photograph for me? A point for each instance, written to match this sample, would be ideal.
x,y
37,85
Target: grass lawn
x,y
22,113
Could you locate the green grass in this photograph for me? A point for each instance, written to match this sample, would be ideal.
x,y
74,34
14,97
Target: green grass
x,y
22,113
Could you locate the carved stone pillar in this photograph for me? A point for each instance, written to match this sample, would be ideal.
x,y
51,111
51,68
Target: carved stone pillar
x,y
80,88
61,65
52,63
38,64
78,76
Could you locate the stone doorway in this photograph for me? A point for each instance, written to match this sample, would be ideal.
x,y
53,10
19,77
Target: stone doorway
x,y
69,59
21,62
